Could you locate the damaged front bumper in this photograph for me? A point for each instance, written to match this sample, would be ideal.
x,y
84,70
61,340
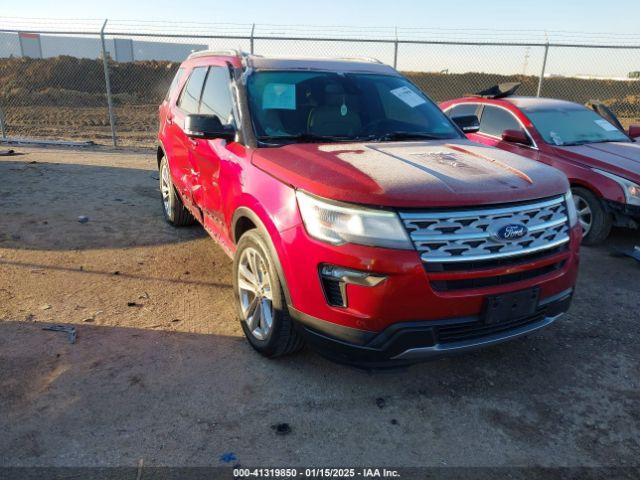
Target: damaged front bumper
x,y
624,215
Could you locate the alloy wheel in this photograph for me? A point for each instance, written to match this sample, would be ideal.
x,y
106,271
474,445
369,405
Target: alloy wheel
x,y
254,289
585,215
165,188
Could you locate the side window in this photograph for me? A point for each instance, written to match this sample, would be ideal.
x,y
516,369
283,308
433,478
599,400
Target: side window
x,y
463,109
174,83
190,96
496,120
216,97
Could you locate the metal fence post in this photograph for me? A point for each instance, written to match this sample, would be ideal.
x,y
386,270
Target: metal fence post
x,y
544,67
253,28
395,51
107,82
3,132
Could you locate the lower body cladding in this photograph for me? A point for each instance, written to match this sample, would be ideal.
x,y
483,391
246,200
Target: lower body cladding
x,y
410,342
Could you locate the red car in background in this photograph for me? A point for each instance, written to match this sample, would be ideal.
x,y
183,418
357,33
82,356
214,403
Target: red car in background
x,y
601,161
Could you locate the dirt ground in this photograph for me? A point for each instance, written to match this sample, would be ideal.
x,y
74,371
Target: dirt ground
x,y
160,371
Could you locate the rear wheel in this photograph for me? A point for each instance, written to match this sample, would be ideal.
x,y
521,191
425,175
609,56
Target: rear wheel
x,y
174,210
596,222
262,307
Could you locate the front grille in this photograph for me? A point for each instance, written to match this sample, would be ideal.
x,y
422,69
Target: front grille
x,y
463,235
482,282
461,332
493,263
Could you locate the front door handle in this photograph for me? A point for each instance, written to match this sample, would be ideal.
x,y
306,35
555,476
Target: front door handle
x,y
193,142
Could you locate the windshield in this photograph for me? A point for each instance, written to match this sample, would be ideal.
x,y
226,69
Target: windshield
x,y
574,126
293,106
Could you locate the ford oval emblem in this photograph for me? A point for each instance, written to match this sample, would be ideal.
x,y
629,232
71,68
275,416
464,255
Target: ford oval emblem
x,y
511,232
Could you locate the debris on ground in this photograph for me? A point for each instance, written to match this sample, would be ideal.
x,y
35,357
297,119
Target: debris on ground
x,y
144,296
633,252
83,219
394,421
68,329
7,153
46,306
281,428
228,457
133,304
380,402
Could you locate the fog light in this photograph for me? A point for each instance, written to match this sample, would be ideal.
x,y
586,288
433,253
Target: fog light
x,y
334,280
355,277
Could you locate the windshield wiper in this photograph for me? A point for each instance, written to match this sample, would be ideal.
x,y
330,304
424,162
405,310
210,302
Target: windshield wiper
x,y
303,138
389,136
313,138
585,142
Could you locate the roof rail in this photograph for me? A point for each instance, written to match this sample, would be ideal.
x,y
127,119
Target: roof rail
x,y
359,59
208,53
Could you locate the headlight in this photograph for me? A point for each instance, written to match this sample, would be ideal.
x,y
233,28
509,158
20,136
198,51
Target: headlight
x,y
339,223
631,190
572,213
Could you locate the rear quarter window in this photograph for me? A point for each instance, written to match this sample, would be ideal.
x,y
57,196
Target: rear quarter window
x,y
464,109
174,83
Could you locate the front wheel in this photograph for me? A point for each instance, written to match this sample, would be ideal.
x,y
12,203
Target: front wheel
x,y
596,222
262,307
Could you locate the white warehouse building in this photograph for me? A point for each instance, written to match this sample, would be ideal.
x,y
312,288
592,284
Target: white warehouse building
x,y
35,45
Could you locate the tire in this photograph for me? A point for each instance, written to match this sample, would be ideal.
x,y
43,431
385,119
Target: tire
x,y
600,221
174,210
281,338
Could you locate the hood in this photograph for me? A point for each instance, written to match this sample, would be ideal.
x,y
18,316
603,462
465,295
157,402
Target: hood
x,y
411,174
621,158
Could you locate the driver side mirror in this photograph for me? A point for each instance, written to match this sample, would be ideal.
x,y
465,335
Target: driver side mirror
x,y
634,131
516,136
208,127
467,123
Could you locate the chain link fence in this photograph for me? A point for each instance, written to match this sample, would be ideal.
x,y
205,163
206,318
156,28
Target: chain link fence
x,y
106,86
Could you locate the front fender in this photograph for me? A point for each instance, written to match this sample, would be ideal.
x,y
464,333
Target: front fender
x,y
272,237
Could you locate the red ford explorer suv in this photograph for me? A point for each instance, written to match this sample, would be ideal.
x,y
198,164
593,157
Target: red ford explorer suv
x,y
359,218
601,161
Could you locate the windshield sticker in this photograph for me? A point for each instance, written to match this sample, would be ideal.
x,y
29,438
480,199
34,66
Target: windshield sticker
x,y
408,96
343,110
605,125
279,96
556,138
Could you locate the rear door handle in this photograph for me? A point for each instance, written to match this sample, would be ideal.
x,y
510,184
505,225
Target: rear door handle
x,y
169,120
